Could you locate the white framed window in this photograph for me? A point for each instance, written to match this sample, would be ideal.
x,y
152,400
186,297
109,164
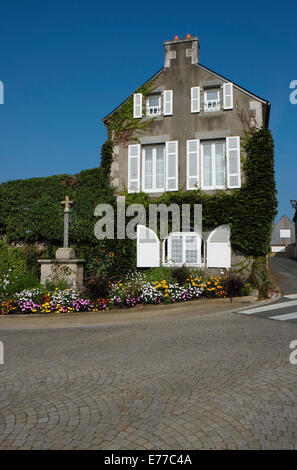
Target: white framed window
x,y
153,105
285,233
212,99
182,248
153,168
213,164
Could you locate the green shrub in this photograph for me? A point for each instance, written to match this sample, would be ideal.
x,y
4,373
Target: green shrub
x,y
259,277
234,286
15,275
157,274
97,287
181,274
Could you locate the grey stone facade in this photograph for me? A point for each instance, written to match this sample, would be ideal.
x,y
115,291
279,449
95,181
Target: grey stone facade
x,y
182,70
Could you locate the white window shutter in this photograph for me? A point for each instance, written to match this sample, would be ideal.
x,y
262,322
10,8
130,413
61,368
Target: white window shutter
x,y
195,99
133,168
168,103
192,163
233,162
172,166
137,105
228,95
148,248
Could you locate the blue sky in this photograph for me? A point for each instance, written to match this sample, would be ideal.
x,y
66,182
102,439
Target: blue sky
x,y
66,64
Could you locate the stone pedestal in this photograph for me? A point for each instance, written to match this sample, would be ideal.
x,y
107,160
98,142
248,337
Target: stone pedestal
x,y
65,267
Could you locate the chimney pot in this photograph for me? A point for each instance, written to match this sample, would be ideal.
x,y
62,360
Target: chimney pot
x,y
187,47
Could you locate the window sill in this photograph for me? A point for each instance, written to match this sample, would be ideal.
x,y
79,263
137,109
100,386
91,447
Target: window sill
x,y
150,191
189,265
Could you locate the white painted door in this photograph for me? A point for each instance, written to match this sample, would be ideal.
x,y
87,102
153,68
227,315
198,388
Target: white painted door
x,y
148,248
219,248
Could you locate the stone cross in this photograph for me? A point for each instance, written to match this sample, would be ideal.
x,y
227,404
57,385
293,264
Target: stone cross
x,y
66,203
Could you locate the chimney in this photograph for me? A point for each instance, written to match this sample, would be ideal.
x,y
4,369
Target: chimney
x,y
188,47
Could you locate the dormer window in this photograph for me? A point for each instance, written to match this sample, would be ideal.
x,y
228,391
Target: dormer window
x,y
153,105
212,100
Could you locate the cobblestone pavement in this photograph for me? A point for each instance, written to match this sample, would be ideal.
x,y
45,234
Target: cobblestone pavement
x,y
182,381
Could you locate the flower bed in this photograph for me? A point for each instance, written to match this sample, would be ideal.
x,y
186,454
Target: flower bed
x,y
57,301
137,288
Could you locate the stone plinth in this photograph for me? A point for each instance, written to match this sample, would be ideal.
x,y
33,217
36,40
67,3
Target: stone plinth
x,y
65,253
65,267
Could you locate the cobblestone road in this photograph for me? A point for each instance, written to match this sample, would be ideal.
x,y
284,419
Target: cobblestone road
x,y
186,381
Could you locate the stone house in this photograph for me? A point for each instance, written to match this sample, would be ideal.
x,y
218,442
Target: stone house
x,y
282,235
194,141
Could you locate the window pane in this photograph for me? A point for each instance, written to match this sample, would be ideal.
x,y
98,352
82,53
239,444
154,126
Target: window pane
x,y
160,168
207,176
148,169
191,250
212,95
220,164
154,101
133,185
285,233
176,249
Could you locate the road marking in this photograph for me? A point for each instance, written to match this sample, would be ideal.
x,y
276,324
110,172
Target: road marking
x,y
290,296
266,308
288,316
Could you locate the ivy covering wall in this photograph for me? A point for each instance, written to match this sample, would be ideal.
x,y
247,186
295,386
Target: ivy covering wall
x,y
249,211
31,210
